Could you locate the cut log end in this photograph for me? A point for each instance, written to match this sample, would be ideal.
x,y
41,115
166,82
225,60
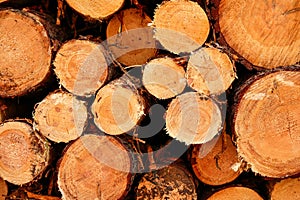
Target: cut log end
x,y
220,166
96,9
164,78
129,37
181,26
25,53
210,71
81,67
94,167
288,189
25,154
171,182
193,119
265,123
60,117
3,189
235,193
270,39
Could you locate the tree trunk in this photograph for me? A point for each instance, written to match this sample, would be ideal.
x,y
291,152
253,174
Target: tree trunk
x,y
164,78
288,189
60,117
235,193
95,167
81,67
193,119
265,123
24,153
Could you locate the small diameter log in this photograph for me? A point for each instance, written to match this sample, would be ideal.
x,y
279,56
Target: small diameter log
x,y
129,38
96,9
81,67
220,166
265,33
288,189
171,182
60,117
164,78
24,153
118,106
3,189
265,123
235,193
193,119
210,71
95,167
180,25
25,53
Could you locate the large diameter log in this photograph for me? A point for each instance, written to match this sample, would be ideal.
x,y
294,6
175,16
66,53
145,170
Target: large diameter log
x,y
180,25
81,67
164,78
193,119
95,167
265,33
210,71
118,106
266,119
25,53
171,182
220,166
24,153
99,9
288,189
236,193
129,38
60,117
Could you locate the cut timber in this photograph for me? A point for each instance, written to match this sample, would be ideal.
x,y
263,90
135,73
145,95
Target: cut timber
x,y
193,119
25,53
3,189
266,119
181,25
118,106
210,71
129,37
95,167
171,182
235,193
81,67
221,165
265,33
96,9
24,153
164,78
288,189
60,117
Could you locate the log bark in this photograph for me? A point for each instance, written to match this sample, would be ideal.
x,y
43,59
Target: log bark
x,y
171,182
210,71
265,122
118,106
180,26
129,38
288,189
264,33
235,193
25,154
193,119
3,189
99,9
164,78
220,166
25,55
95,167
60,117
81,67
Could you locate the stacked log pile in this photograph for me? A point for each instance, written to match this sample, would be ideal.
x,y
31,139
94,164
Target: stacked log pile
x,y
149,99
